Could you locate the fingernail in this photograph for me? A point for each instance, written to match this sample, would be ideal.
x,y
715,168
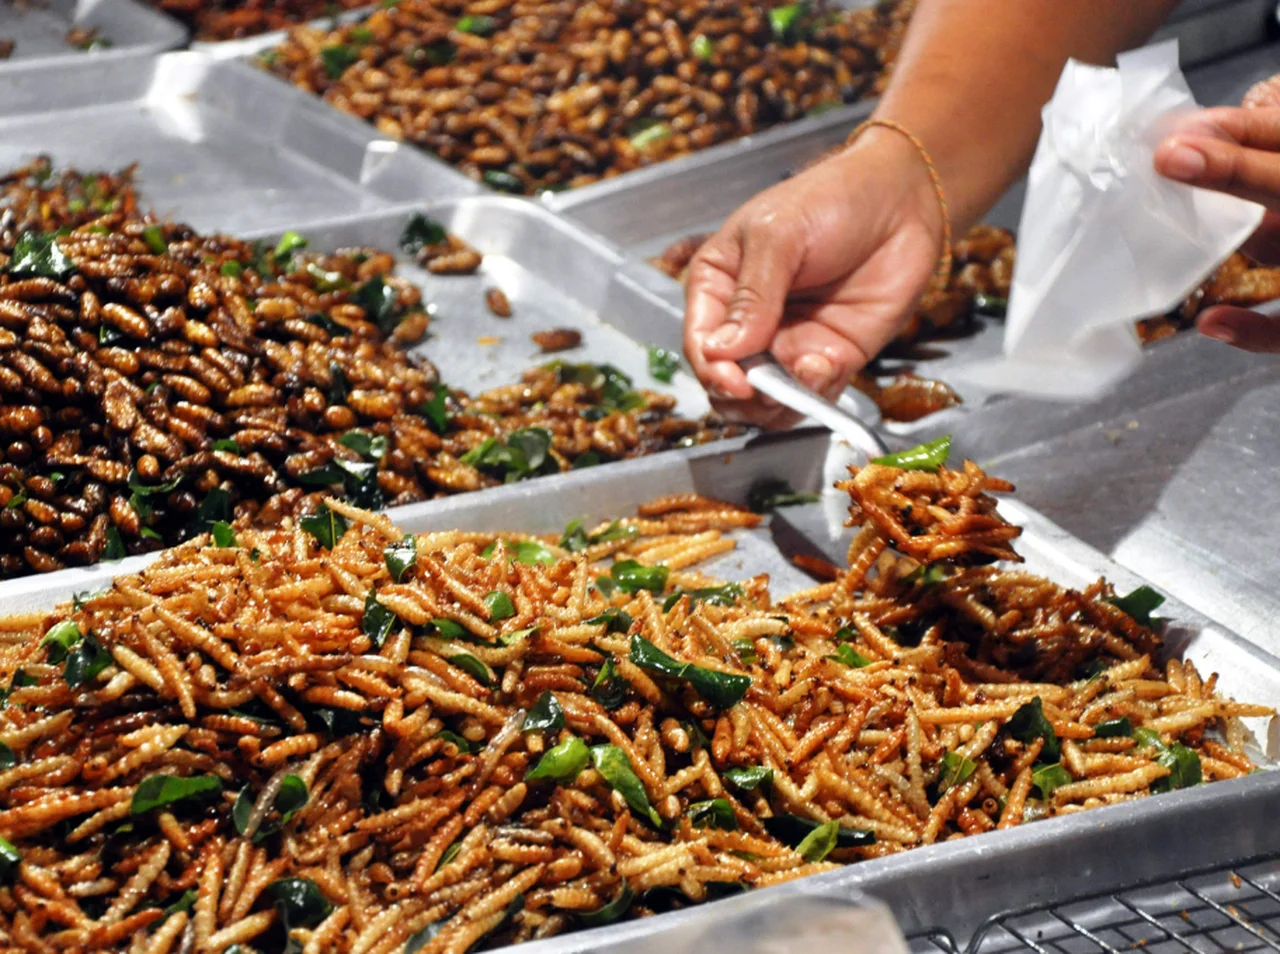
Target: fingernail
x,y
1184,163
716,391
1223,333
726,336
815,371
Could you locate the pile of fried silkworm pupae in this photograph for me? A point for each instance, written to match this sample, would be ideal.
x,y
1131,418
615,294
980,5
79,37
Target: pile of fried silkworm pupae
x,y
154,381
213,21
532,95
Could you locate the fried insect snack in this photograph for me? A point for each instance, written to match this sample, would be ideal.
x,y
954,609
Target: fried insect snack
x,y
1239,281
351,739
213,21
528,95
154,381
933,516
906,397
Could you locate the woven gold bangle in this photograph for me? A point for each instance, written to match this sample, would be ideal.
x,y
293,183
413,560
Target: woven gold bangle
x,y
942,276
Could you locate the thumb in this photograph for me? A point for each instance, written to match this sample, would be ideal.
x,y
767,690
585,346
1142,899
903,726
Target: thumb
x,y
771,260
1241,160
1241,328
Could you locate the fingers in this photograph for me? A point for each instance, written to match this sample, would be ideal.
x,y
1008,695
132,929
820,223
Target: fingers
x,y
710,285
1248,167
818,356
771,257
737,290
1241,328
1255,128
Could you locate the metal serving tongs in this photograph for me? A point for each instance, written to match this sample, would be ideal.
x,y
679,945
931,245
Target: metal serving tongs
x,y
767,376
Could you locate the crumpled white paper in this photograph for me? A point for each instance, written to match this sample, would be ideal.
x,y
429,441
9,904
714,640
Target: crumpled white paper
x,y
1105,240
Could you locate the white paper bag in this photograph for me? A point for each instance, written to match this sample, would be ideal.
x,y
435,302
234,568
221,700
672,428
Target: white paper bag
x,y
1105,240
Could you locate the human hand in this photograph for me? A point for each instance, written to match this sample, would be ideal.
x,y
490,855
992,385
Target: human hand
x,y
821,270
1236,151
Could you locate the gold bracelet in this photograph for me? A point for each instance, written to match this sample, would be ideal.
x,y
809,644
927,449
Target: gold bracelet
x,y
942,277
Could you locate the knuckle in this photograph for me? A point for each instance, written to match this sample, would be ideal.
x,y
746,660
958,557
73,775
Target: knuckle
x,y
745,301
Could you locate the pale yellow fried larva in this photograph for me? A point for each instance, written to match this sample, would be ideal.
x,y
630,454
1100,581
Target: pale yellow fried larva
x,y
245,929
1110,784
167,934
139,883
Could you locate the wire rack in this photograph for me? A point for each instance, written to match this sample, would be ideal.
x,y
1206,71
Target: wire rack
x,y
1226,910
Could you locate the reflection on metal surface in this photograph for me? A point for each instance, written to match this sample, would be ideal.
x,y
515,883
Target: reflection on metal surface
x,y
219,145
778,923
122,28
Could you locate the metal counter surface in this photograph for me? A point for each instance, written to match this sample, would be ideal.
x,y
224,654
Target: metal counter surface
x,y
1183,491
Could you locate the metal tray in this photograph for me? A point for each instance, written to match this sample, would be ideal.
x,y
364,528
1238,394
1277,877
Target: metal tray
x,y
954,886
39,30
832,121
218,145
1179,490
555,276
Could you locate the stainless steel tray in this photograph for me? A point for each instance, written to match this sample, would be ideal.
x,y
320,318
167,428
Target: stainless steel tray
x,y
219,145
836,122
1219,910
39,31
555,274
946,894
955,885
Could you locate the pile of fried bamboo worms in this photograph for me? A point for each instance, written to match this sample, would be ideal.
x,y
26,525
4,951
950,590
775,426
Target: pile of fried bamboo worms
x,y
337,737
